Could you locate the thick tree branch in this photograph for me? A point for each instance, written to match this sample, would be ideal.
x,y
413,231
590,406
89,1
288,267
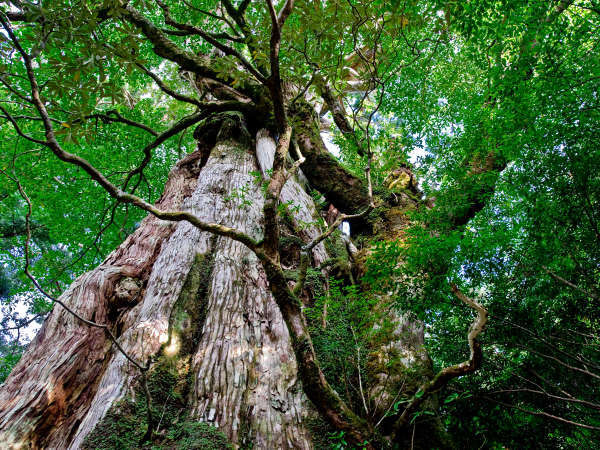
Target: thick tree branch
x,y
274,81
238,15
338,112
284,13
348,193
167,49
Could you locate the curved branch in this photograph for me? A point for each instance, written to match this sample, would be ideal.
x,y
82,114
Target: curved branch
x,y
170,92
186,122
211,40
114,116
449,373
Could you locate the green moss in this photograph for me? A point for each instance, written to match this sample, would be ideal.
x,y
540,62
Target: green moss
x,y
286,241
124,425
170,382
321,432
119,429
289,248
196,435
335,246
189,311
315,282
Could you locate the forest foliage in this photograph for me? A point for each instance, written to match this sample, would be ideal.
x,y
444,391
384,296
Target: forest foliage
x,y
452,82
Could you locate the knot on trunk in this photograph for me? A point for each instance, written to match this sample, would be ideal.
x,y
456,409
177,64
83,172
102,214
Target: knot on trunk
x,y
230,125
127,291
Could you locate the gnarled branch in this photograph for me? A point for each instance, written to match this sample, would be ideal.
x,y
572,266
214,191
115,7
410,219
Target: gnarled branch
x,y
449,373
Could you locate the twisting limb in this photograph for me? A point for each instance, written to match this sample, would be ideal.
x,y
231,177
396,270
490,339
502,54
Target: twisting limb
x,y
200,65
111,116
315,385
170,92
183,124
449,373
279,176
15,125
114,116
211,40
568,283
222,35
14,91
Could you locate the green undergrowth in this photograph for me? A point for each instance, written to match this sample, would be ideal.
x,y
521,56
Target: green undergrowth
x,y
125,424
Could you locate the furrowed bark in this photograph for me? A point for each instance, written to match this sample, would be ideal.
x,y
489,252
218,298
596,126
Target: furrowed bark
x,y
51,389
241,359
244,368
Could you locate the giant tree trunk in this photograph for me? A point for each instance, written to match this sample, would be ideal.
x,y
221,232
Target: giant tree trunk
x,y
243,368
172,291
